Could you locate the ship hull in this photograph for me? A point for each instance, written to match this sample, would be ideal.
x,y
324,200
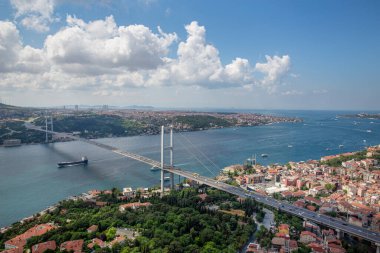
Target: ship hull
x,y
67,164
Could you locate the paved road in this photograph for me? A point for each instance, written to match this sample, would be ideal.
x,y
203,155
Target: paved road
x,y
286,207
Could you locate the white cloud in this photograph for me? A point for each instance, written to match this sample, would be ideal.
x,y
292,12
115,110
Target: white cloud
x,y
35,15
9,45
14,56
101,46
274,69
101,57
292,93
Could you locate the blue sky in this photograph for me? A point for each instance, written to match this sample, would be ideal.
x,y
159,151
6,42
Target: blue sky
x,y
241,54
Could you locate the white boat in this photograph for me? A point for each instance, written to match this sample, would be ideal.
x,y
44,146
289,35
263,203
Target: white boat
x,y
341,146
154,168
264,155
290,146
369,131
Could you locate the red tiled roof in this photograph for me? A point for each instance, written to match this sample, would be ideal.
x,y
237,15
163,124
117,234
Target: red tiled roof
x,y
96,241
42,247
75,246
20,240
92,228
135,205
14,250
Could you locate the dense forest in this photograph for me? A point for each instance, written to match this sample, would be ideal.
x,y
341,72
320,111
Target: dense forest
x,y
178,222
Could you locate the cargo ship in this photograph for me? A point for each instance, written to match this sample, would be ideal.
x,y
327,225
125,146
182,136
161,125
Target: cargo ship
x,y
84,161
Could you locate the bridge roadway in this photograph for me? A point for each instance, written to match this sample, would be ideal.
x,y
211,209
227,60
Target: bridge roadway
x,y
303,213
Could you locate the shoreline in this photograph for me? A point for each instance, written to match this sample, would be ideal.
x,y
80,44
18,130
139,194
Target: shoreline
x,y
154,134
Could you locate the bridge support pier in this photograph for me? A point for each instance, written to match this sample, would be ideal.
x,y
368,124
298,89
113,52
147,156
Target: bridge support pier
x,y
339,234
162,161
377,247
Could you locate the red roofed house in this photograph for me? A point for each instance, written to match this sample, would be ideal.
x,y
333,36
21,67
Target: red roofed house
x,y
42,247
13,250
96,241
315,247
118,239
92,229
20,240
308,237
75,246
133,205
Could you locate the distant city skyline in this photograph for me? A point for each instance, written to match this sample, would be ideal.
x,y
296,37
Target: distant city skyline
x,y
199,54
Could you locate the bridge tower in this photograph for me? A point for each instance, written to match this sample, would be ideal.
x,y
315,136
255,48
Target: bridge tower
x,y
162,160
171,147
48,122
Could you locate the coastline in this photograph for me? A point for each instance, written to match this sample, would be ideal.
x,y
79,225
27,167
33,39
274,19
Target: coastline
x,y
155,134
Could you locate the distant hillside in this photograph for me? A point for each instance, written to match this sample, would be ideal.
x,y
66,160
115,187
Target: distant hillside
x,y
4,106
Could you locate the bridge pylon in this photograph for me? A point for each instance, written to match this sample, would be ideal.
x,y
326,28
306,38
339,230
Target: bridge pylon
x,y
162,158
48,122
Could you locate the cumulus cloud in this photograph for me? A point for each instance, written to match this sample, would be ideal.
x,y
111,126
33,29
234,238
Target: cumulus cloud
x,y
100,46
14,56
35,15
273,69
102,56
9,45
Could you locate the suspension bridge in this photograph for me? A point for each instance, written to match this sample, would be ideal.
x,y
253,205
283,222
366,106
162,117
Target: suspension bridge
x,y
338,225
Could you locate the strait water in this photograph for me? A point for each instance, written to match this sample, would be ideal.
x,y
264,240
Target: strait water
x,y
30,180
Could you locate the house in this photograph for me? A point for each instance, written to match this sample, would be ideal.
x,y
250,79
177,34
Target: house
x,y
313,200
118,239
278,242
316,247
307,237
134,205
92,229
75,246
327,207
96,241
13,250
128,192
253,247
283,229
42,247
20,240
254,178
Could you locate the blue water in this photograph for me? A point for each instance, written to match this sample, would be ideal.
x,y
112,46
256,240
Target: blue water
x,y
30,180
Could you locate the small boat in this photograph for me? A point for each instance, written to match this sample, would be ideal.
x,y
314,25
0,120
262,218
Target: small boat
x,y
264,155
341,146
290,146
84,161
328,149
364,140
166,179
154,168
369,131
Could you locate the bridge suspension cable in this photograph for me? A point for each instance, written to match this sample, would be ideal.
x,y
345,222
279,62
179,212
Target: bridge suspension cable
x,y
197,158
200,152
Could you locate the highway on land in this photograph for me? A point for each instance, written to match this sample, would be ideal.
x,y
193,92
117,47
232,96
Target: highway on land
x,y
303,213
